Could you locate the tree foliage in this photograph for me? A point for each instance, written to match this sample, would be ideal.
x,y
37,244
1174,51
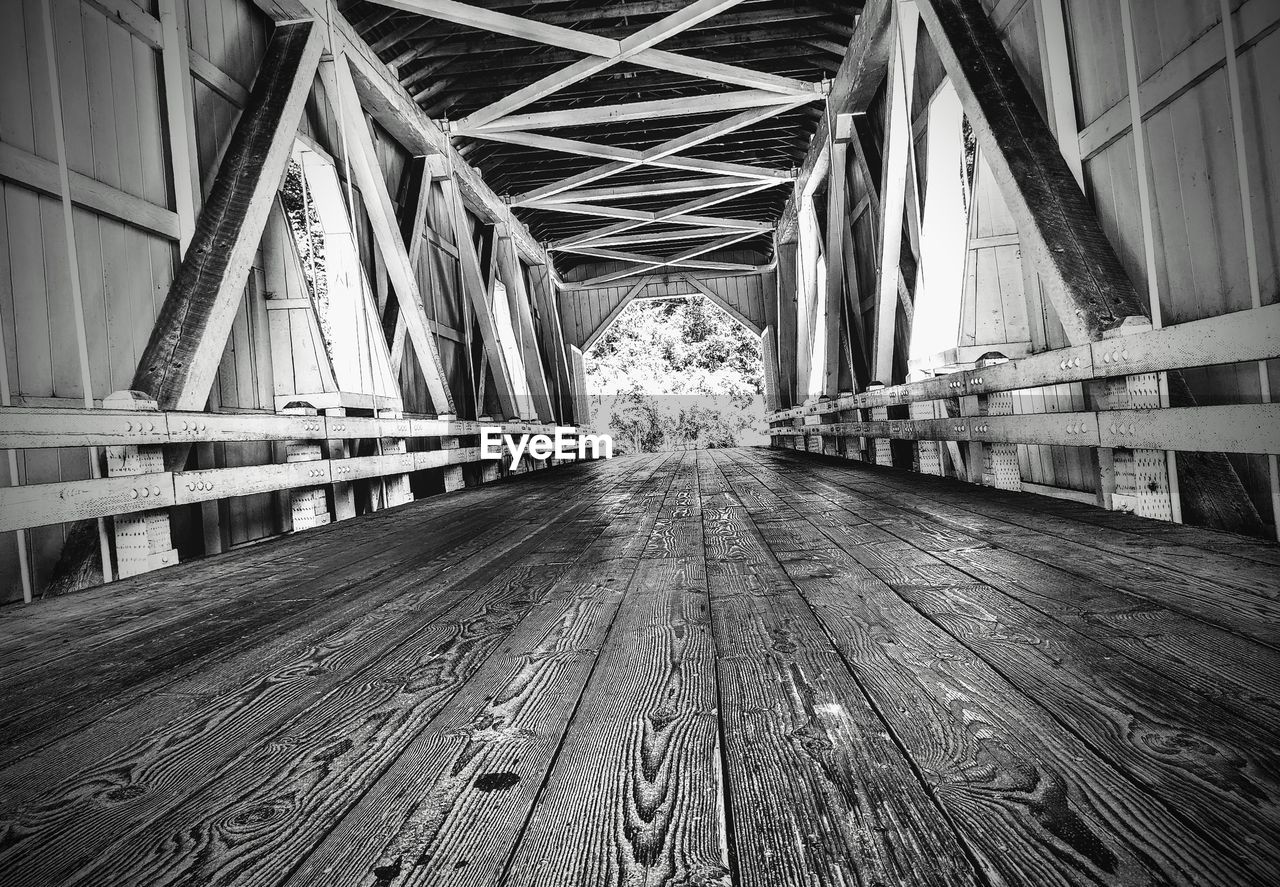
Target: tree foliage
x,y
676,374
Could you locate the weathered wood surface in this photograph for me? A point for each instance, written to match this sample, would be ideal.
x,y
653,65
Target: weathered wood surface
x,y
715,668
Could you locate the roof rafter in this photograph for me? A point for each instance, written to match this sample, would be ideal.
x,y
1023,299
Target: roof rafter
x,y
679,107
666,150
602,52
652,263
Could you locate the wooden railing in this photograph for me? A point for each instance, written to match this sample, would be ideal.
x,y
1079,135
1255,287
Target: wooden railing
x,y
1133,428
317,469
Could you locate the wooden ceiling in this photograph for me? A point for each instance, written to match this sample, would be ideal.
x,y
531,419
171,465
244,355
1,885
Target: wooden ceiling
x,y
458,60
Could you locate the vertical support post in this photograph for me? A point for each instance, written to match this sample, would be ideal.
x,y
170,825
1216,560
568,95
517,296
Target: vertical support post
x,y
1139,480
490,469
971,407
73,261
893,191
396,487
1250,239
855,445
840,130
581,400
769,357
788,309
452,474
808,290
307,505
1142,164
344,499
999,465
20,536
143,540
216,538
928,452
1055,62
180,116
881,449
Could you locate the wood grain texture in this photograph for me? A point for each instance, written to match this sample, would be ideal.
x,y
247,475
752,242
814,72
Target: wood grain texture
x,y
818,788
737,667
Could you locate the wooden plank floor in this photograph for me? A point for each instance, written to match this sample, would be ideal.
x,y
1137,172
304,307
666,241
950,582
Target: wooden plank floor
x,y
732,667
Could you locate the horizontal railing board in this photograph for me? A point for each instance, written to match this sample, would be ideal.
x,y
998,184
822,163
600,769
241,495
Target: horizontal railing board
x,y
221,483
38,505
42,428
1234,428
1239,337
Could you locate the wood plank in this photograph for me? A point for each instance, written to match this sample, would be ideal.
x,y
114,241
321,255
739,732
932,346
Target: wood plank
x,y
818,788
30,702
934,695
181,359
379,649
1243,613
485,755
637,782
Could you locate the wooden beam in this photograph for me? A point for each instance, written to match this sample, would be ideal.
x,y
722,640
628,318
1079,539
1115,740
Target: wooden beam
x,y
628,48
473,281
656,189
837,221
678,260
593,45
42,175
620,256
417,232
723,303
855,83
665,150
599,331
542,282
655,237
676,215
181,359
893,191
628,156
386,230
387,102
1079,270
787,312
175,66
604,114
512,276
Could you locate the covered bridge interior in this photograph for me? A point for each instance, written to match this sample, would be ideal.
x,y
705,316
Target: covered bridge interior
x,y
997,606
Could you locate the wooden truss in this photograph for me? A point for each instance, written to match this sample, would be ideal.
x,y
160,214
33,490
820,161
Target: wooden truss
x,y
764,96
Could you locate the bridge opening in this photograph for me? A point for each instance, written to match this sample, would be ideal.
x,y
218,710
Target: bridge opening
x,y
677,373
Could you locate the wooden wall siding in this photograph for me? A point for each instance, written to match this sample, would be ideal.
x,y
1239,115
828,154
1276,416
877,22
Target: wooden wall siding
x,y
109,91
1196,209
232,34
